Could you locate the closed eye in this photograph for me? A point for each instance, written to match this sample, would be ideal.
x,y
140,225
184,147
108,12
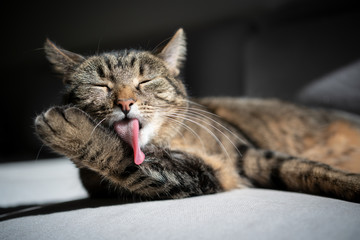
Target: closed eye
x,y
103,86
142,83
146,81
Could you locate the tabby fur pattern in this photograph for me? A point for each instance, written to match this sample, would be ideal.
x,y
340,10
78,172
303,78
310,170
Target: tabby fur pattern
x,y
192,146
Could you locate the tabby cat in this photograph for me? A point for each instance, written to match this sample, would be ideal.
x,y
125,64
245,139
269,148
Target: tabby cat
x,y
131,128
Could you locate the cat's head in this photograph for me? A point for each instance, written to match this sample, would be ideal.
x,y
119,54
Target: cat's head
x,y
116,87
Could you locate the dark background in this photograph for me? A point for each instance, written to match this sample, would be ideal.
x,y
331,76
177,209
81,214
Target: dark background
x,y
271,48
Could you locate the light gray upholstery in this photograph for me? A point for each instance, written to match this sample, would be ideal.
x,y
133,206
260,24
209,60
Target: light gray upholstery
x,y
239,214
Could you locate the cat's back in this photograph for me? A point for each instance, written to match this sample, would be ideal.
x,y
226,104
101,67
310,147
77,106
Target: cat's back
x,y
324,135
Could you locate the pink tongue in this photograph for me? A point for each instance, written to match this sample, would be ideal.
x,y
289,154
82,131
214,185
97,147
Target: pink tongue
x,y
128,130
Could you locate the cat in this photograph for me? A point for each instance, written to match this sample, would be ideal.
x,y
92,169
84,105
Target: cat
x,y
130,127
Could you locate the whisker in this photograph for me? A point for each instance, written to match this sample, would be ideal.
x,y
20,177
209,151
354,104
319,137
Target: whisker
x,y
219,124
209,124
198,113
38,154
194,103
177,130
188,128
97,126
206,129
195,111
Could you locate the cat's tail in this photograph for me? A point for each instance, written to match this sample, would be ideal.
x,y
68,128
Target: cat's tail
x,y
269,169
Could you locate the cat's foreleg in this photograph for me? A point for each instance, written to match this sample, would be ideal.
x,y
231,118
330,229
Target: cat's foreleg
x,y
163,174
271,169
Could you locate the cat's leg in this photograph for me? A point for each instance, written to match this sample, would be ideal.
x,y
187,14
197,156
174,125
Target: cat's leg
x,y
281,171
163,174
95,185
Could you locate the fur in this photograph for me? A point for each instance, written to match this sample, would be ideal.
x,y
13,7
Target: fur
x,y
192,146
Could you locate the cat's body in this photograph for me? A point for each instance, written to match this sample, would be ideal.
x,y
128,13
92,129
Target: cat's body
x,y
133,131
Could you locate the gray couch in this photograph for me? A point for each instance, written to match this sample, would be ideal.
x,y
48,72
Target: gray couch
x,y
280,48
57,208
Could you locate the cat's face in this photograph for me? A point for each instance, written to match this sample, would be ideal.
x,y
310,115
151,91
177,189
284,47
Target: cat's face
x,y
115,88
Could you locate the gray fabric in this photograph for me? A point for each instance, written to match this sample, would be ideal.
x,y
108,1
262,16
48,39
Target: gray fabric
x,y
340,89
239,214
37,182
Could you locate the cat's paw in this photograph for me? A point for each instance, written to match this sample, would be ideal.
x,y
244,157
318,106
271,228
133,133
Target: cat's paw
x,y
66,130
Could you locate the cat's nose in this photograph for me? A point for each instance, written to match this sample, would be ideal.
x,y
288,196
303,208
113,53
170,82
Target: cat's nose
x,y
125,104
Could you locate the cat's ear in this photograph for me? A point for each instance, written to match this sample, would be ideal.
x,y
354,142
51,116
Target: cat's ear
x,y
174,52
64,61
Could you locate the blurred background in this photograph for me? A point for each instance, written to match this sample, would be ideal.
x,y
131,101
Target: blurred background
x,y
299,50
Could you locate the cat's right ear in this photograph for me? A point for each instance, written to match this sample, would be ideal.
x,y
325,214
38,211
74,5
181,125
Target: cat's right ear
x,y
64,61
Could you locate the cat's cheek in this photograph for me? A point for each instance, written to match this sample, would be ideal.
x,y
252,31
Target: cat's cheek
x,y
146,134
150,131
98,97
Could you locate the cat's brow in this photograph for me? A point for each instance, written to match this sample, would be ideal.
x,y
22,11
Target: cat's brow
x,y
141,70
108,63
132,62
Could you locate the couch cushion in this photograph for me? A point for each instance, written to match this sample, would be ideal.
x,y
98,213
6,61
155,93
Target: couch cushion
x,y
38,182
339,89
239,214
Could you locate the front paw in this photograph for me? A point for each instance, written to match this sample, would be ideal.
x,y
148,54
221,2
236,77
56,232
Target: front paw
x,y
65,130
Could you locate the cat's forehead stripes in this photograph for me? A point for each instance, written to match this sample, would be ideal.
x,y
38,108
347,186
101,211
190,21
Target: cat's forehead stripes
x,y
117,66
108,62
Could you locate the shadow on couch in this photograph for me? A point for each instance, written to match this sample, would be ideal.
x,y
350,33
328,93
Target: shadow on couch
x,y
41,209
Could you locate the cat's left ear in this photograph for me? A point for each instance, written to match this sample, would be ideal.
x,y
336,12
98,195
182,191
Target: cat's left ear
x,y
64,61
174,52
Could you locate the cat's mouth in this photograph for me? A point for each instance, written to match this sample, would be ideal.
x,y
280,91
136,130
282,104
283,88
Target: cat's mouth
x,y
128,130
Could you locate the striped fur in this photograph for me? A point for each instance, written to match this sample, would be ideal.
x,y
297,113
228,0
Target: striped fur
x,y
192,146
